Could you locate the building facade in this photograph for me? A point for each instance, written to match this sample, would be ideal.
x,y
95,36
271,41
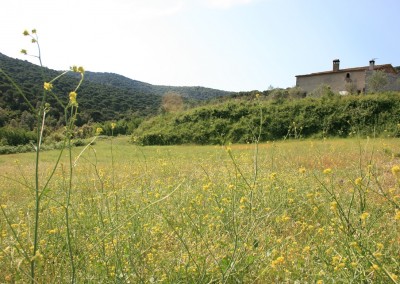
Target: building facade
x,y
349,80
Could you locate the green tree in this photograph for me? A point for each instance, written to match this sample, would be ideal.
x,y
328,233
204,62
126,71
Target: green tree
x,y
377,81
27,120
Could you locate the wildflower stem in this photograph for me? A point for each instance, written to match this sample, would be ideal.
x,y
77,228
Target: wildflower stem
x,y
31,107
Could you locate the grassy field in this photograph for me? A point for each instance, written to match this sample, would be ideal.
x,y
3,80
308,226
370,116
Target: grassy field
x,y
314,211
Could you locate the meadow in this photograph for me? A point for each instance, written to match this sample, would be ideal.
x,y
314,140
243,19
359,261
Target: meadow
x,y
295,211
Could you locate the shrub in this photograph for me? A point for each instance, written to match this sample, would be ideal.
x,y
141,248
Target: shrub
x,y
239,121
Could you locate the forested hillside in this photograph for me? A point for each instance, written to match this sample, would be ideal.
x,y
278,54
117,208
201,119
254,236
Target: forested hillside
x,y
119,81
102,96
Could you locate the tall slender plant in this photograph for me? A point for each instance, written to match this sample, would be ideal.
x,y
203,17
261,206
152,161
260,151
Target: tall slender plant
x,y
70,108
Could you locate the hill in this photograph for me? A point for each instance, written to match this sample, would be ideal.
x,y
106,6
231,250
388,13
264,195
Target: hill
x,y
119,81
102,96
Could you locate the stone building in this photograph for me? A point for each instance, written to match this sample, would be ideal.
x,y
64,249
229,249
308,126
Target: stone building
x,y
348,80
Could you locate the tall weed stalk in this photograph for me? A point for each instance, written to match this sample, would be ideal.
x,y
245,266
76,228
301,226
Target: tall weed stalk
x,y
70,108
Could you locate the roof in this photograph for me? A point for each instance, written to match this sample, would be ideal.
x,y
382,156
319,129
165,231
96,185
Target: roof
x,y
388,68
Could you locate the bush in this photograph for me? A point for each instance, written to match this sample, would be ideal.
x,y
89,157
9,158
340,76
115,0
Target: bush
x,y
239,121
16,136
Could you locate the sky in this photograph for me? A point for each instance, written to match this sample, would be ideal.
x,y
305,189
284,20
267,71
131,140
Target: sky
x,y
232,45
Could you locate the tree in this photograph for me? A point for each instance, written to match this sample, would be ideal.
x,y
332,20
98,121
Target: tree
x,y
322,90
172,102
377,81
3,117
296,93
27,120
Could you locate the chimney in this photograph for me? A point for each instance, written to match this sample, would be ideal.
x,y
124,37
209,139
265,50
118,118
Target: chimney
x,y
371,64
336,63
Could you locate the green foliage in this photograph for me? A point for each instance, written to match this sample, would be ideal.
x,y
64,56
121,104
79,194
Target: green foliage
x,y
377,81
16,136
239,121
322,90
121,127
102,97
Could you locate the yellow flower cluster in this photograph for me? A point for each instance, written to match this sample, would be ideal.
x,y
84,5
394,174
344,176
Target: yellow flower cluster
x,y
77,69
72,98
327,171
397,215
47,86
364,216
396,171
280,260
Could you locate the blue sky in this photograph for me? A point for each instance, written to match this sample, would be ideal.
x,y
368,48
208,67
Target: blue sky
x,y
235,45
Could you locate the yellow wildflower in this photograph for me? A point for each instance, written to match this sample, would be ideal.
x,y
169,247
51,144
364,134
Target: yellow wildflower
x,y
99,130
302,170
327,171
335,259
396,171
52,231
77,69
47,86
278,261
150,257
397,216
364,216
375,267
333,206
243,200
72,98
358,181
25,33
306,249
113,124
23,51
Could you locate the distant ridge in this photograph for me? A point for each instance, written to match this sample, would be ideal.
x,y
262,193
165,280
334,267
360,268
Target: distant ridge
x,y
102,96
119,81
